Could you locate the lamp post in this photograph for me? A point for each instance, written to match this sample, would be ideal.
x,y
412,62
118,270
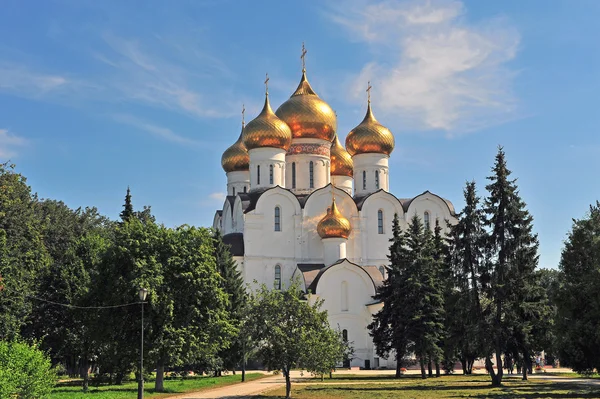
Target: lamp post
x,y
142,295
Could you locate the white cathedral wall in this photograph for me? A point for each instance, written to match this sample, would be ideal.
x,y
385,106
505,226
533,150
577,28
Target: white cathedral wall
x,y
434,206
346,290
370,163
343,182
237,182
265,157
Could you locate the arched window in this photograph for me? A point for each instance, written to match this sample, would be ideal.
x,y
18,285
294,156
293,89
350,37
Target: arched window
x,y
382,270
277,284
270,174
311,171
257,174
234,191
344,296
293,174
364,179
244,188
377,179
277,219
380,221
345,335
426,220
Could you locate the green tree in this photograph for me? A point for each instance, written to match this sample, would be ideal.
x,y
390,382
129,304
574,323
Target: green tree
x,y
578,304
389,327
127,213
509,272
25,372
463,298
23,253
287,330
232,283
325,349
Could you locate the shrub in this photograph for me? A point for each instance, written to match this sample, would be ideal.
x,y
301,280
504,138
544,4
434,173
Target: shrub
x,y
25,371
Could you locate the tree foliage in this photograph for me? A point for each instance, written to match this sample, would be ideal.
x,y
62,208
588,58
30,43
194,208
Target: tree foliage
x,y
25,371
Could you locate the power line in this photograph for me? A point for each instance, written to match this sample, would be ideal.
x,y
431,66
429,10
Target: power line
x,y
66,305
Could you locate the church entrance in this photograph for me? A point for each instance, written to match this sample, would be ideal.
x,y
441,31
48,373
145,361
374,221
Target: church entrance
x,y
367,365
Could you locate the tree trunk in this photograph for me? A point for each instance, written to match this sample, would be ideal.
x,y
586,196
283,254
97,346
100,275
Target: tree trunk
x,y
85,373
526,364
159,385
470,362
490,368
398,367
463,362
499,369
288,384
437,369
244,369
423,374
429,369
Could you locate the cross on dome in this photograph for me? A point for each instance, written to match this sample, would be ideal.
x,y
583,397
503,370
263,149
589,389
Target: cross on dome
x,y
303,57
267,84
369,87
243,115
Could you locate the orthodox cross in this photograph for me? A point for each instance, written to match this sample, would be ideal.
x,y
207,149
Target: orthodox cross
x,y
303,56
267,84
243,115
369,87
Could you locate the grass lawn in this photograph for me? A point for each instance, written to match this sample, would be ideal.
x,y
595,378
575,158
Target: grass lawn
x,y
474,386
72,390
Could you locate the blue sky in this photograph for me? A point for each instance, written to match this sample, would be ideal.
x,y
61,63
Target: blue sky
x,y
99,95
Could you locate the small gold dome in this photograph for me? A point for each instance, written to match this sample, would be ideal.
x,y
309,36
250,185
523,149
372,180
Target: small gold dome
x,y
334,224
236,158
341,161
267,130
370,136
307,115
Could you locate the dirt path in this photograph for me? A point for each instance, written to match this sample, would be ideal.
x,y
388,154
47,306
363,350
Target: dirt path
x,y
237,391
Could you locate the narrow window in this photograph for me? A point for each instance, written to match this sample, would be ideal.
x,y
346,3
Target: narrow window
x,y
257,174
277,277
234,191
344,296
345,335
311,167
380,221
382,270
364,179
277,219
270,174
244,188
426,220
377,179
293,174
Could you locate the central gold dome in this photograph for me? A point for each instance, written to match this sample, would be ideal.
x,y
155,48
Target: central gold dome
x,y
236,158
341,161
307,115
267,130
370,136
334,224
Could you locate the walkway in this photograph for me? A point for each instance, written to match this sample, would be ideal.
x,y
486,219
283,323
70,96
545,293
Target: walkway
x,y
237,391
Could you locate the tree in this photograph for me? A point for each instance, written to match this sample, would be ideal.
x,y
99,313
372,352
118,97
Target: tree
x,y
287,331
23,255
232,283
508,275
326,348
578,304
25,372
389,327
463,300
127,213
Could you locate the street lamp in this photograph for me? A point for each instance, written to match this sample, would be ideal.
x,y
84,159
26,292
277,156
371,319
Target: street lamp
x,y
142,295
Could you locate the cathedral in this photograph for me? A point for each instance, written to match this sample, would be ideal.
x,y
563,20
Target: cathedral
x,y
300,205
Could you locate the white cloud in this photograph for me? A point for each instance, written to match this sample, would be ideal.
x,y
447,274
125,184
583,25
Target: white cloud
x,y
432,68
22,80
218,196
9,144
157,131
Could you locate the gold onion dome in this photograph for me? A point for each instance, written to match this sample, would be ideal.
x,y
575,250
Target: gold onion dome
x,y
334,224
341,161
307,115
236,158
370,136
267,130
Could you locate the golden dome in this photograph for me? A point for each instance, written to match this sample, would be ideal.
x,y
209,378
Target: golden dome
x,y
341,161
236,158
334,224
267,130
307,115
370,136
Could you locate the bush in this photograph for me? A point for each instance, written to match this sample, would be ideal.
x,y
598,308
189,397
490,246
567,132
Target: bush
x,y
25,372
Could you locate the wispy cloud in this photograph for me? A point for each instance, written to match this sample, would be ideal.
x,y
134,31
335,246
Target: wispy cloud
x,y
9,144
157,131
219,196
432,66
21,80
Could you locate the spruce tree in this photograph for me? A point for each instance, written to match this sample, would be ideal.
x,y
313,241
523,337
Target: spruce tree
x,y
232,283
389,327
127,212
463,306
510,267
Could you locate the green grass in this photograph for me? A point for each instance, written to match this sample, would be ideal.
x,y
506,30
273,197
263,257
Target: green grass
x,y
474,386
72,389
